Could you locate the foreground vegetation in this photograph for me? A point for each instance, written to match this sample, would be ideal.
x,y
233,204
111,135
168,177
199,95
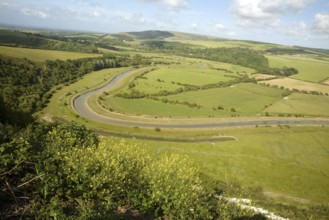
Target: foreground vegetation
x,y
61,171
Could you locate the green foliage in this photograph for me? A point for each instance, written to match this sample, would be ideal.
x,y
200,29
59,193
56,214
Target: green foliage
x,y
61,171
22,39
239,56
284,71
26,88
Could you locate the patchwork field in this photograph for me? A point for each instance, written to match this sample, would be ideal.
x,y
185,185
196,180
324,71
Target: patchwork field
x,y
38,55
300,85
242,99
283,160
228,44
306,104
310,69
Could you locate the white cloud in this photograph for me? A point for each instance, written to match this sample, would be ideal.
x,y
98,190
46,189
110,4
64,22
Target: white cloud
x,y
172,4
321,22
194,26
299,30
33,12
219,26
135,19
231,33
5,5
265,12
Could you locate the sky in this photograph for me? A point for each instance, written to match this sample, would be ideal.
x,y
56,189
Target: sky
x,y
287,22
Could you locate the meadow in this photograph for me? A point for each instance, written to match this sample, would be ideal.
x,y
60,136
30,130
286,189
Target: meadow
x,y
296,84
275,158
284,161
40,55
287,162
245,99
60,106
310,69
305,104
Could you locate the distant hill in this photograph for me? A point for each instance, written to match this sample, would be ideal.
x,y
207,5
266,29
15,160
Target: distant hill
x,y
144,35
316,50
163,35
17,38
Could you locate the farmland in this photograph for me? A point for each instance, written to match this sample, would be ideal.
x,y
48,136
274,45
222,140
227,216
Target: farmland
x,y
39,55
181,79
305,104
310,68
246,99
299,85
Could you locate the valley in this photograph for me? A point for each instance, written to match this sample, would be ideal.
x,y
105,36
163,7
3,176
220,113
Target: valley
x,y
252,116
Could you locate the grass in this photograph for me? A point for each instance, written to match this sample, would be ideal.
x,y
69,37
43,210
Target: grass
x,y
305,104
290,161
310,69
168,78
246,99
229,44
194,75
39,55
300,85
59,105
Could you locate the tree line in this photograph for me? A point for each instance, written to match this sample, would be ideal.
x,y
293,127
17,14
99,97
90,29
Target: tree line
x,y
26,87
29,40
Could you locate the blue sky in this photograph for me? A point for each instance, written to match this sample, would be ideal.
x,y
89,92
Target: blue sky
x,y
288,22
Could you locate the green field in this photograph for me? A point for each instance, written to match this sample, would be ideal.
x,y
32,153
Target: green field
x,y
297,84
297,103
198,75
285,161
59,105
169,78
310,69
39,55
228,43
246,99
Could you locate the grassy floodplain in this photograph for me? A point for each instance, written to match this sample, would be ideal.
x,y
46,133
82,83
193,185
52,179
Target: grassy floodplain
x,y
39,55
246,99
284,161
59,106
310,69
275,158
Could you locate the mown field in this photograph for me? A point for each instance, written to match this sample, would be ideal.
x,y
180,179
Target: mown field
x,y
310,69
245,99
236,99
296,84
39,55
305,104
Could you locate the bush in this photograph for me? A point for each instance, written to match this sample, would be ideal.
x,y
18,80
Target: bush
x,y
61,171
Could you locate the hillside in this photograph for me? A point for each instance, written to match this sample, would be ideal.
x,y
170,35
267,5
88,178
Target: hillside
x,y
186,122
17,38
